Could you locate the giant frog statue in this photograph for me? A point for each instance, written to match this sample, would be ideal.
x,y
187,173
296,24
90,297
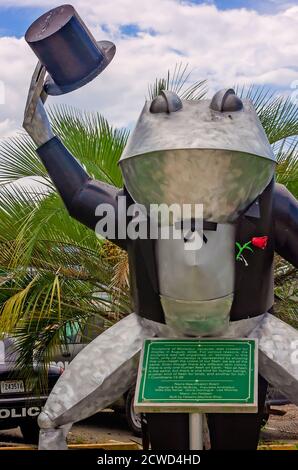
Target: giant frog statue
x,y
212,153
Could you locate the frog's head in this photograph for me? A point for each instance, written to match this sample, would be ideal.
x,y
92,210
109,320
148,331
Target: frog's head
x,y
211,152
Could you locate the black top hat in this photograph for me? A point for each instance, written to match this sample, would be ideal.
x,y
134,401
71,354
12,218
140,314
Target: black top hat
x,y
67,49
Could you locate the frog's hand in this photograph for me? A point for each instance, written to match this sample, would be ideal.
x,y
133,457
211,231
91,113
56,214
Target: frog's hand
x,y
278,354
98,375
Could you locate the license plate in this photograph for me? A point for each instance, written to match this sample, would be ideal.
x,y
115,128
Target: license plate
x,y
12,386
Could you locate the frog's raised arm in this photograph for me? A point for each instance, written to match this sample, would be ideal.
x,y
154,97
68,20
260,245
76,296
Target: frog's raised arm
x,y
81,194
285,213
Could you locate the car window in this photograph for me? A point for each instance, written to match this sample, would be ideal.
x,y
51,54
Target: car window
x,y
71,333
8,350
2,352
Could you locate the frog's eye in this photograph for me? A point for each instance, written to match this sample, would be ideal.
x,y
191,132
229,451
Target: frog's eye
x,y
226,101
166,102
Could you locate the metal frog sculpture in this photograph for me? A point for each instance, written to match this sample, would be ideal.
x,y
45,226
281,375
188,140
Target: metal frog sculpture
x,y
214,152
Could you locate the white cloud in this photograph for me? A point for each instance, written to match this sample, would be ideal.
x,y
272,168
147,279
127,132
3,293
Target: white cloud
x,y
227,47
6,128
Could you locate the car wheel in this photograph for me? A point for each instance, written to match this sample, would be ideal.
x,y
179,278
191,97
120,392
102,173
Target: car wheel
x,y
30,430
133,418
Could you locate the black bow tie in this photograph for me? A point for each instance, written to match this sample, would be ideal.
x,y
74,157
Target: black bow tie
x,y
192,227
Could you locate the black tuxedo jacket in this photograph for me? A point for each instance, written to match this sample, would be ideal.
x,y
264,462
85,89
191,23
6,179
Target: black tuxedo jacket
x,y
273,214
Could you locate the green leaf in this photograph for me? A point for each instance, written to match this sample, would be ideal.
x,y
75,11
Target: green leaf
x,y
97,145
179,82
278,114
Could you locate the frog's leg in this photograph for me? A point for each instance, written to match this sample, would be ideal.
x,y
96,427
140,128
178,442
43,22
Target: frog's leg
x,y
278,350
278,354
104,370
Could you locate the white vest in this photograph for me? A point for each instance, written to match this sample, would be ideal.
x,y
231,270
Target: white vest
x,y
196,287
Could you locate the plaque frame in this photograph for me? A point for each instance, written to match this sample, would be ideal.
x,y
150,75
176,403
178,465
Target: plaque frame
x,y
143,406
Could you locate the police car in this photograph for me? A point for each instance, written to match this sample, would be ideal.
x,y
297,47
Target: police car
x,y
19,405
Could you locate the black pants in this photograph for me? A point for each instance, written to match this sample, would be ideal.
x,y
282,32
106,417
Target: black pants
x,y
237,431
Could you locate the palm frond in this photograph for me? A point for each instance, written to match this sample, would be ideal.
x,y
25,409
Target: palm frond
x,y
179,82
287,168
89,136
18,159
278,114
286,291
51,273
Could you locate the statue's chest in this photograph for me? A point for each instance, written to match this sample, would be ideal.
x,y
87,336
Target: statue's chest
x,y
196,286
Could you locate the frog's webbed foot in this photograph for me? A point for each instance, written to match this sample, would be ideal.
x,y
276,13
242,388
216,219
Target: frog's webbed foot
x,y
101,373
278,350
278,354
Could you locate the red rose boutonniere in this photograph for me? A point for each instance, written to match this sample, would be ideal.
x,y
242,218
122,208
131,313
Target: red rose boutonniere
x,y
259,242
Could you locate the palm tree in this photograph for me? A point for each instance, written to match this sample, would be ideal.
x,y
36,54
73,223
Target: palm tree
x,y
54,271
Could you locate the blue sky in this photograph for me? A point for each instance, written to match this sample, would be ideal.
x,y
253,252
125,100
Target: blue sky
x,y
263,6
14,20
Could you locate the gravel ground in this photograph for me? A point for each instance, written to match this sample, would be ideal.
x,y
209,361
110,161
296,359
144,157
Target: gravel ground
x,y
102,427
282,428
110,425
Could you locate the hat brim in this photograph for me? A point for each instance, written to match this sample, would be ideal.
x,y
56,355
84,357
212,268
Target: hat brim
x,y
108,50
